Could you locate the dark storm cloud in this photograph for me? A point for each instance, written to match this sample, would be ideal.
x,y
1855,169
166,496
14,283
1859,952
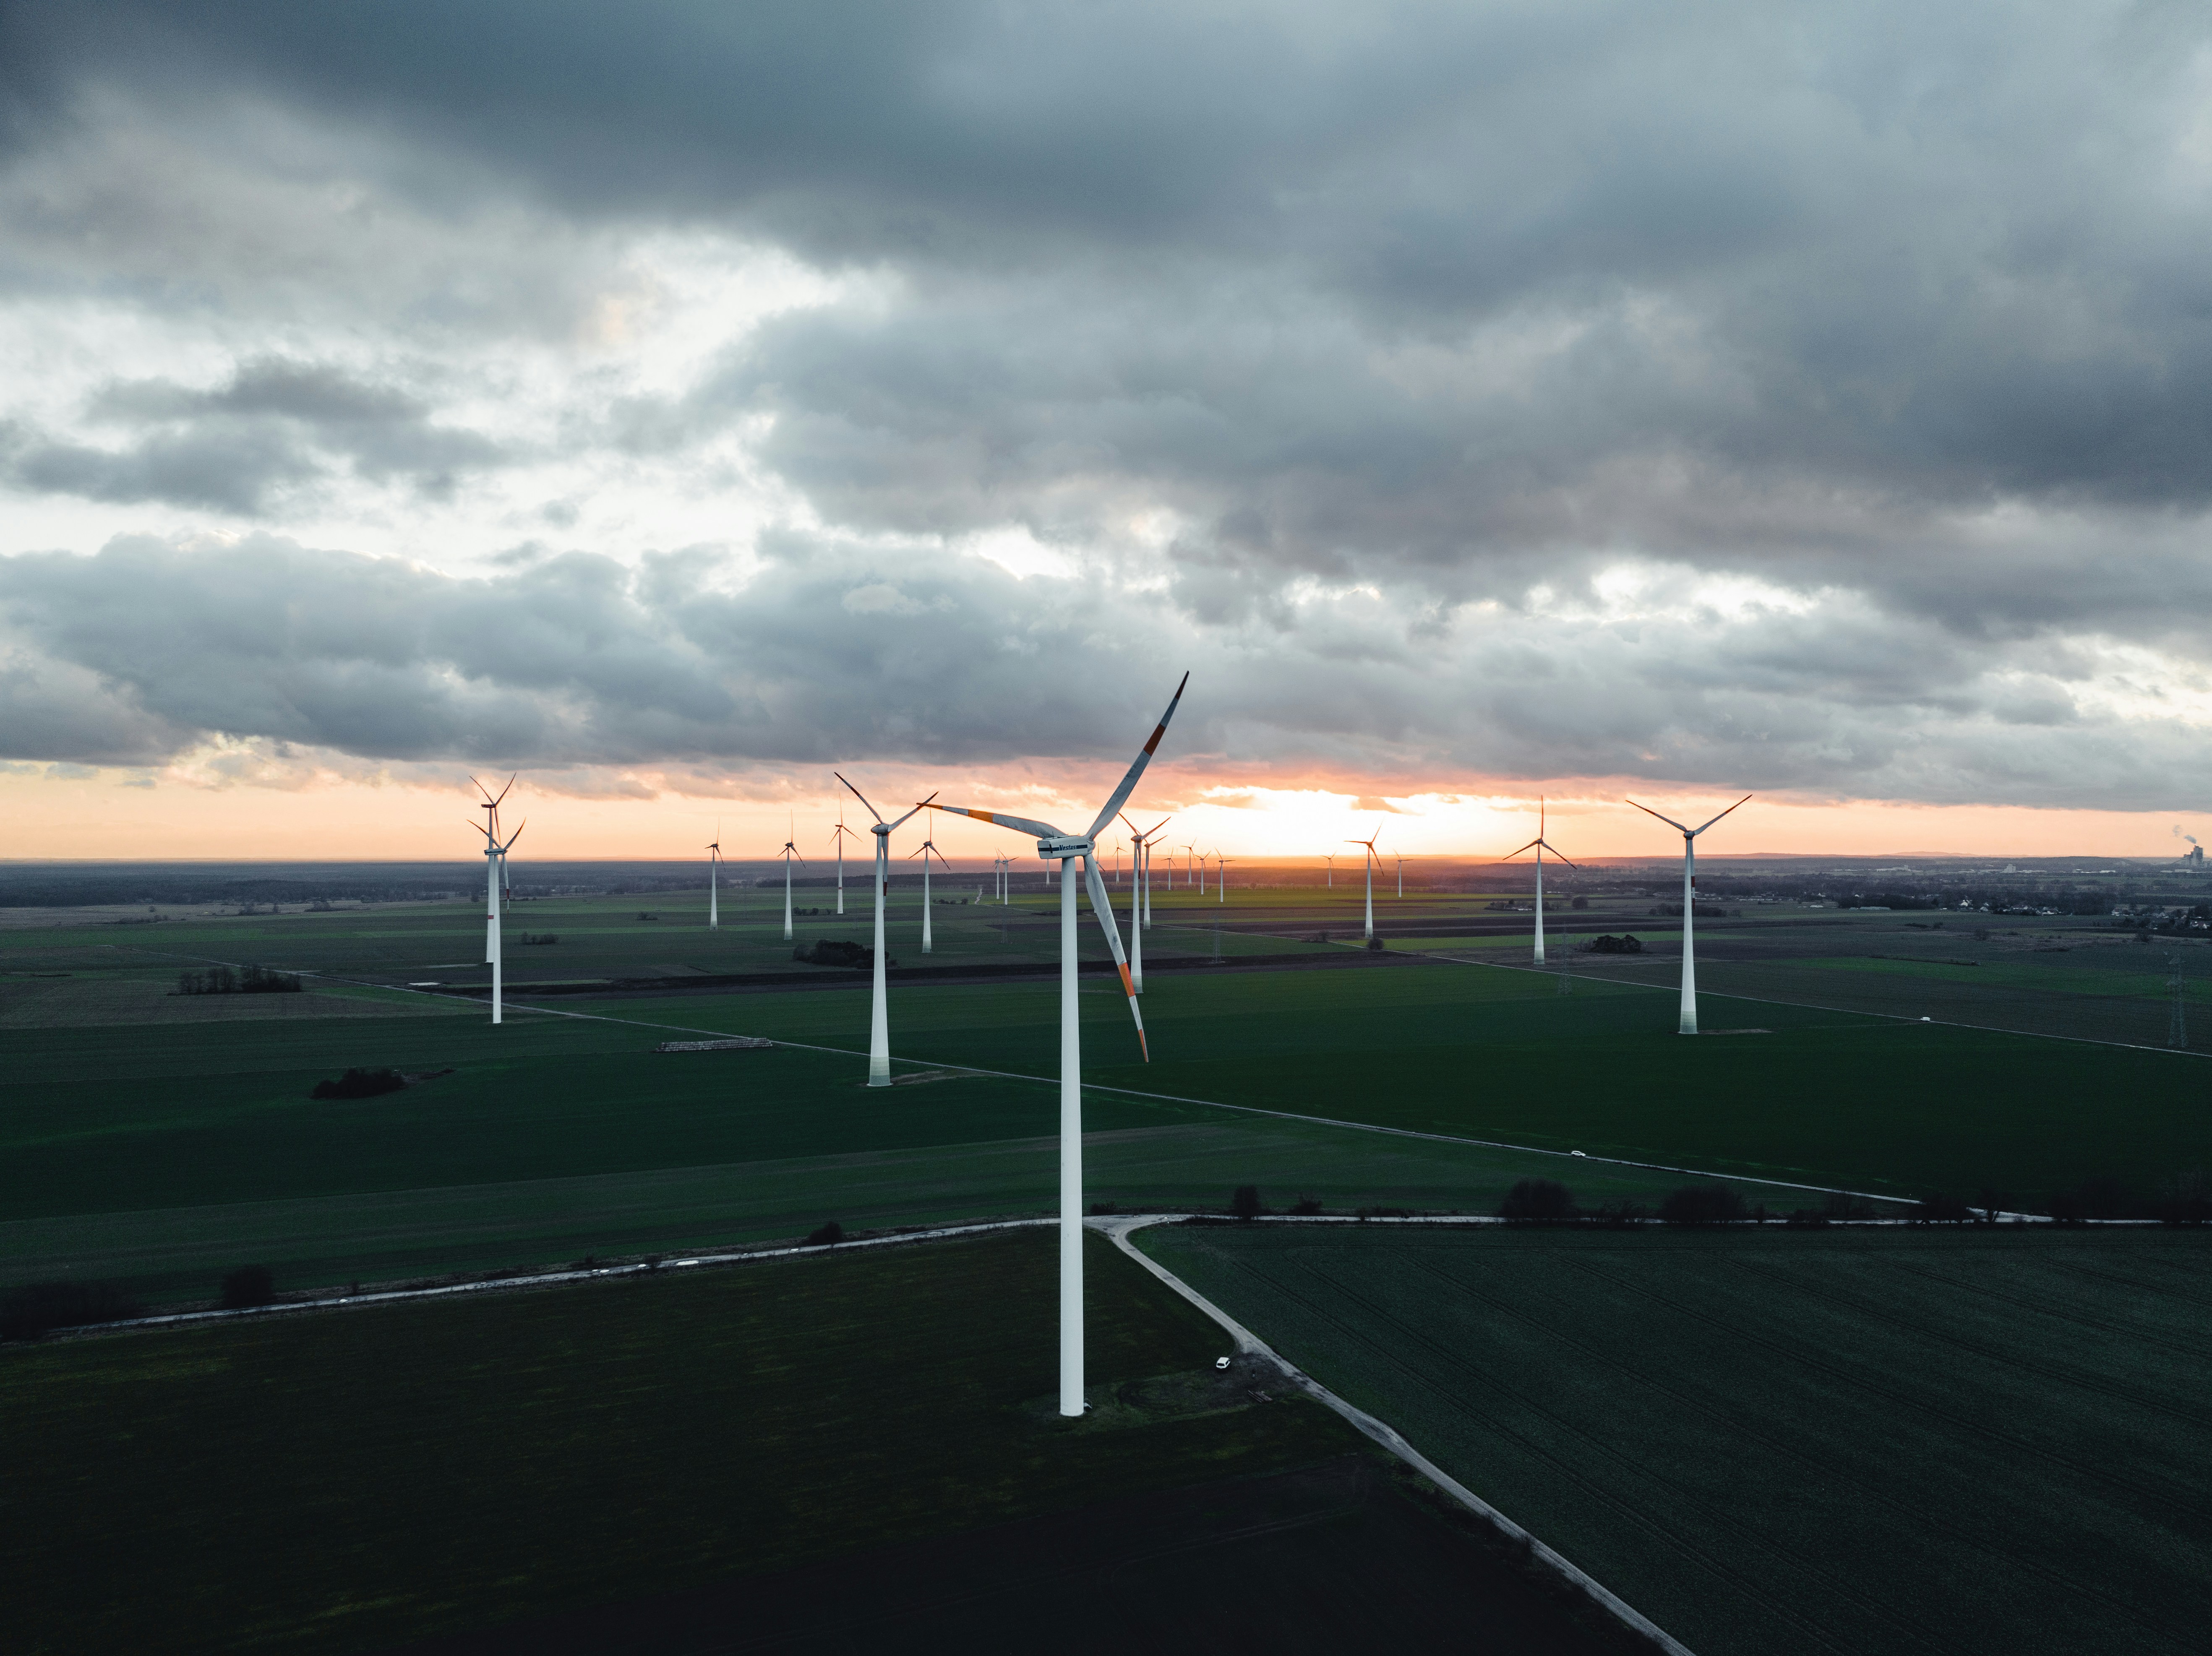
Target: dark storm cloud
x,y
1418,321
276,424
825,652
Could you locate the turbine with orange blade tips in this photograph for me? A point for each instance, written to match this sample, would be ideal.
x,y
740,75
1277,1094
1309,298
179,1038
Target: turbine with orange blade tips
x,y
1052,846
1370,861
879,1021
714,868
1689,1026
790,850
1539,845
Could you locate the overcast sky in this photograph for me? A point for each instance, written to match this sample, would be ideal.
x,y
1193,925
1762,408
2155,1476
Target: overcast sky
x,y
679,398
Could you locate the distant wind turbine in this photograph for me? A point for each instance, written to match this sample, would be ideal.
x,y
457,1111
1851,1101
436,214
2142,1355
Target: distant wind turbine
x,y
1330,860
1141,896
1370,862
928,850
1066,849
713,869
1689,1025
490,805
1220,878
837,838
1539,845
789,851
879,1021
494,854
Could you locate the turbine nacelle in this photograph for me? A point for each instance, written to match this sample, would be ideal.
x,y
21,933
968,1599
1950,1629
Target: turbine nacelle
x,y
1066,845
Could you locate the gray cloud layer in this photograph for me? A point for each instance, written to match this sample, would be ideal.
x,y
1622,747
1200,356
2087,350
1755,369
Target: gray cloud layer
x,y
1417,322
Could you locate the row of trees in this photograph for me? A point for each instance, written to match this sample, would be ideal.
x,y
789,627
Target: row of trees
x,y
249,980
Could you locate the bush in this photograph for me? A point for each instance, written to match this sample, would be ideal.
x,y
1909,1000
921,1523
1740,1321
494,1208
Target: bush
x,y
1940,1210
2187,1200
1807,1219
1375,943
836,951
1625,945
826,1235
247,1287
360,1083
1579,902
1245,1202
1619,1215
1307,1206
35,1309
1537,1199
1702,1204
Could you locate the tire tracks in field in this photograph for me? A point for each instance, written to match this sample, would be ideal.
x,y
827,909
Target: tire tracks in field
x,y
2196,1350
2169,1290
1855,1374
1634,1513
1989,1352
1873,1492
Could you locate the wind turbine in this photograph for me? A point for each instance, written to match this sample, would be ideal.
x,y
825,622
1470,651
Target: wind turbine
x,y
928,850
714,868
491,828
1330,858
1066,849
1220,877
880,1023
1689,1026
1141,896
1540,845
1401,876
838,838
1370,863
789,852
494,854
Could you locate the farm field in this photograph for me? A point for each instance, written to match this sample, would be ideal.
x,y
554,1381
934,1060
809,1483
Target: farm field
x,y
158,1151
810,1433
1983,1442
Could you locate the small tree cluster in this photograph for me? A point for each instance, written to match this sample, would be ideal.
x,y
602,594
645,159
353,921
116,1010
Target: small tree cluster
x,y
1539,1201
37,1308
827,1234
251,980
1703,1204
836,951
1627,944
247,1287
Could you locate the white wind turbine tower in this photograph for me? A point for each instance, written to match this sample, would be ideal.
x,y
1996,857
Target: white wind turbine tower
x,y
496,855
928,850
1141,896
789,851
1066,849
1220,877
713,869
837,837
490,805
1689,1025
1330,860
1401,876
1371,860
1539,845
880,1023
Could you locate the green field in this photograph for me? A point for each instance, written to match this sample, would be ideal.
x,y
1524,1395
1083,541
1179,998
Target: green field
x,y
1899,1441
164,1151
344,1482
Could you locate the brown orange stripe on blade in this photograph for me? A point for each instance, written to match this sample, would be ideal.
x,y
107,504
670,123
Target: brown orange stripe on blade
x,y
1128,988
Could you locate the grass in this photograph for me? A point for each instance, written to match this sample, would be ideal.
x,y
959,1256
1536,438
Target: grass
x,y
344,1482
1850,1442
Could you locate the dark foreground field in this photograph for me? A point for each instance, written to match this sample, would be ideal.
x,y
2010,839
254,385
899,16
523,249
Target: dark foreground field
x,y
809,1454
1863,1442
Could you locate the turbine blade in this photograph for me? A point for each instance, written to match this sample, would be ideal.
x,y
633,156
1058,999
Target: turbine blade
x,y
999,819
910,813
862,797
1671,822
1703,827
1104,910
1561,855
1531,846
1121,795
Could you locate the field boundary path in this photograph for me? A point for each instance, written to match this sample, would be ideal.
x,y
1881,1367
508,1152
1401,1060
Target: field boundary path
x,y
1381,1432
